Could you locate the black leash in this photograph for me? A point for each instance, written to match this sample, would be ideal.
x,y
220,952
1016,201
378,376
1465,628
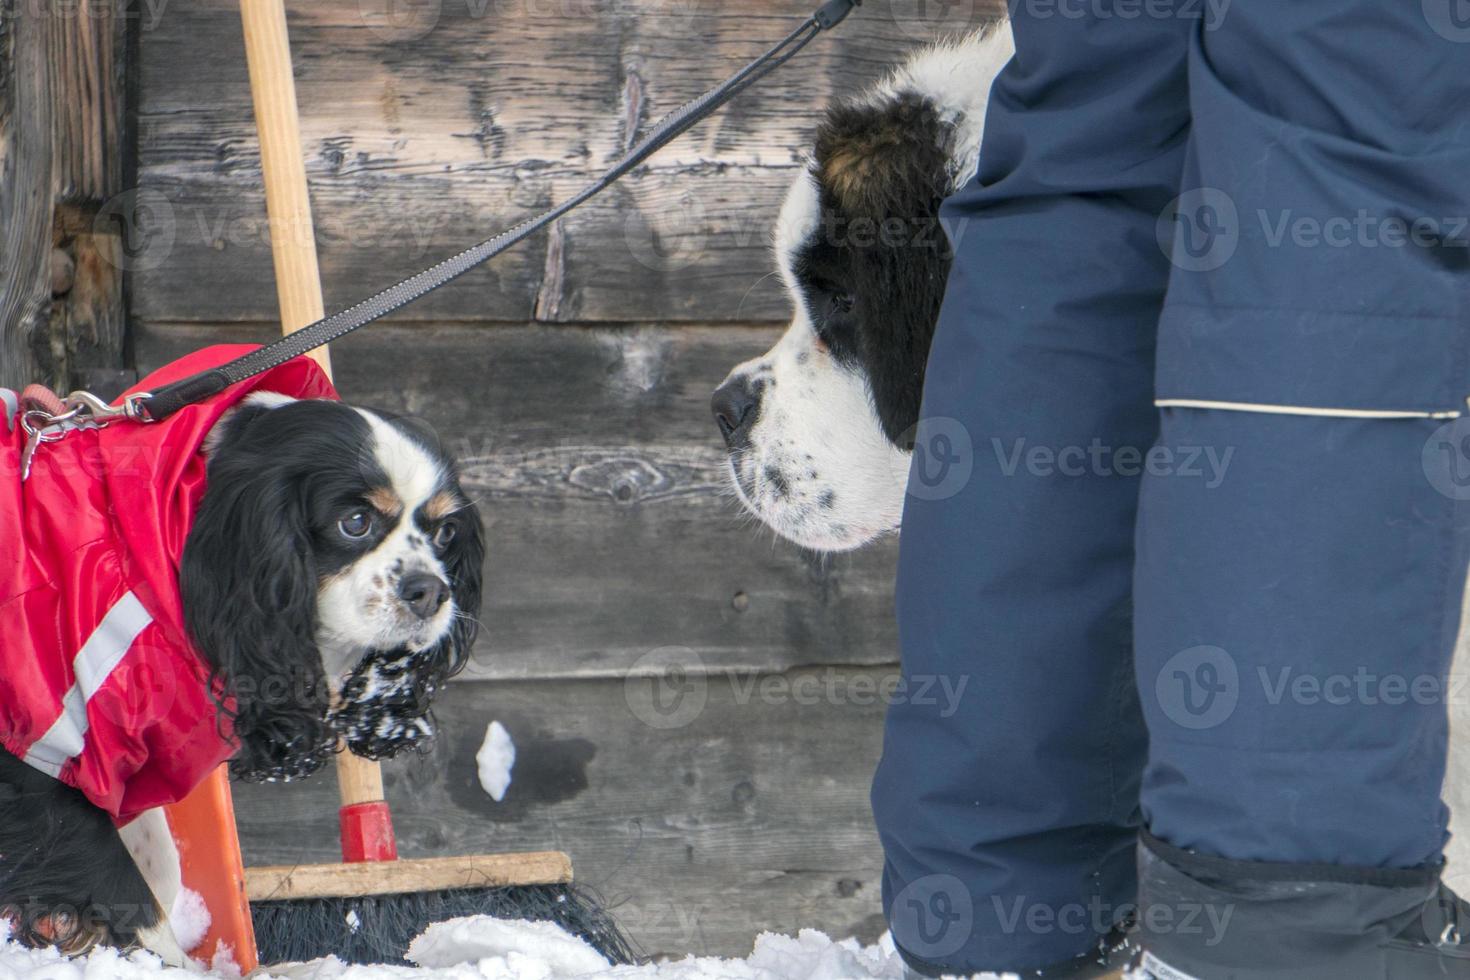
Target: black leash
x,y
164,402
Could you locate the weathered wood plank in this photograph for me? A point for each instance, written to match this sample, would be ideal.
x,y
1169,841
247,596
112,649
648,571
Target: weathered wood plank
x,y
427,135
599,474
751,815
62,145
25,194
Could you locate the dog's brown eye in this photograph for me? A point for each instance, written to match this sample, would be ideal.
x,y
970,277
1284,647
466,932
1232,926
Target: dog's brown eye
x,y
444,536
356,525
841,303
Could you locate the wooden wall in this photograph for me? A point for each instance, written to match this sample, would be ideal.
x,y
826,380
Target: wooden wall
x,y
573,377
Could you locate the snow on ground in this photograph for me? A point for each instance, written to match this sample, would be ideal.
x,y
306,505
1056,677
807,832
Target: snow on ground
x,y
495,759
481,948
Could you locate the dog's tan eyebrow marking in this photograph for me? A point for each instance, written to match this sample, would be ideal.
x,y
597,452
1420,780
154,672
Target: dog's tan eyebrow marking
x,y
441,505
385,500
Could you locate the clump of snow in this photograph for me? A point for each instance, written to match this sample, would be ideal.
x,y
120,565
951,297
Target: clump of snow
x,y
496,758
189,918
541,949
223,964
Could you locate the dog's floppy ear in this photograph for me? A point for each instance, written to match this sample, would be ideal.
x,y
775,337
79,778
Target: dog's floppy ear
x,y
464,562
885,159
249,589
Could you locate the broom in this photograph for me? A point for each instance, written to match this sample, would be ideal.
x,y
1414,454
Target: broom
x,y
368,909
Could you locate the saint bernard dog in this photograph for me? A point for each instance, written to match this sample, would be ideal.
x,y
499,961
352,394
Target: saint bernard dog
x,y
818,429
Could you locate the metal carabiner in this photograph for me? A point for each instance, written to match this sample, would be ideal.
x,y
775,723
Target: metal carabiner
x,y
84,403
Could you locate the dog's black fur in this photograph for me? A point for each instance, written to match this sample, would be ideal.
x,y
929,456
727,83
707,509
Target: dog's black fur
x,y
874,277
65,877
279,481
262,544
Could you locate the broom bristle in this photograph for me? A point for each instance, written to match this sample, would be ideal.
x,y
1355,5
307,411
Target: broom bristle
x,y
378,928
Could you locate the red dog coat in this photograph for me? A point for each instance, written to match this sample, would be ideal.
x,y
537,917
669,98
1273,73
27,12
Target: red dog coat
x,y
100,685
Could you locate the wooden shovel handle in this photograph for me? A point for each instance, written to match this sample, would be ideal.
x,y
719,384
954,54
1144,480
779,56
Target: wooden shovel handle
x,y
293,242
282,164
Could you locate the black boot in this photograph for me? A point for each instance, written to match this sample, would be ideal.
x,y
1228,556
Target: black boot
x,y
1436,944
1111,954
1295,922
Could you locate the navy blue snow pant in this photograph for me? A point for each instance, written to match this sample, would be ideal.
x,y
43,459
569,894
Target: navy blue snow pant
x,y
1207,345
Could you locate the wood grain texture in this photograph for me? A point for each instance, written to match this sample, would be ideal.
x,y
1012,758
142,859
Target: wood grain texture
x,y
26,196
599,475
430,126
282,883
746,811
62,149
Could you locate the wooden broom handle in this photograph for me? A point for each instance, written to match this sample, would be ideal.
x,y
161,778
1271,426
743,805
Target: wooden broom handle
x,y
293,242
288,208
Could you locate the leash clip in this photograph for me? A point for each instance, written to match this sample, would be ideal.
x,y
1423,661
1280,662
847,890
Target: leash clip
x,y
85,406
47,418
42,410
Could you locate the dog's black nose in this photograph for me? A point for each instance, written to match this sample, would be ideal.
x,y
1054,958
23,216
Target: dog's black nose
x,y
423,593
734,405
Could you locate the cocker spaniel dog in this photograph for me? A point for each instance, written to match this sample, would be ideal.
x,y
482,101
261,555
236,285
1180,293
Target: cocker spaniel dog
x,y
258,578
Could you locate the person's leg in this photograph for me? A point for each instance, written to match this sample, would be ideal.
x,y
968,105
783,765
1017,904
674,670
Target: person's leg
x,y
1009,818
1295,619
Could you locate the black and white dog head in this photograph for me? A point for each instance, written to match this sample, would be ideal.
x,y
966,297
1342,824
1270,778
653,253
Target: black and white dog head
x,y
818,429
331,579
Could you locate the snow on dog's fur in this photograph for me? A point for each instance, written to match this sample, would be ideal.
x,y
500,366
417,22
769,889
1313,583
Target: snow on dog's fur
x,y
819,427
